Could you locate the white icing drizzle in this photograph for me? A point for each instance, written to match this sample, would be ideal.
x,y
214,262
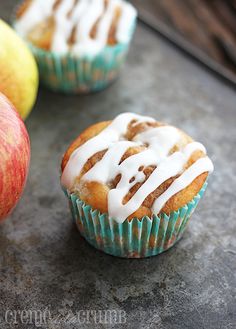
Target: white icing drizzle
x,y
83,42
200,166
125,23
159,142
166,136
113,133
83,17
115,152
64,26
36,13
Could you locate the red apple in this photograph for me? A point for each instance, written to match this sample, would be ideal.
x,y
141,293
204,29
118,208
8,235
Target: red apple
x,y
14,157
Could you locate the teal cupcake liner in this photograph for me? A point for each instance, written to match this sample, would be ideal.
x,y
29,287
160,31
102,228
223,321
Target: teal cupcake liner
x,y
131,239
71,74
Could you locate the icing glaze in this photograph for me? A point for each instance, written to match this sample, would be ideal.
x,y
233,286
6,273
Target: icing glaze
x,y
36,13
159,142
101,142
79,16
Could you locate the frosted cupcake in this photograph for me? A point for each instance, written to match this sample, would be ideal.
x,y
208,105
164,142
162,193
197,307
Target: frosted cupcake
x,y
79,45
133,183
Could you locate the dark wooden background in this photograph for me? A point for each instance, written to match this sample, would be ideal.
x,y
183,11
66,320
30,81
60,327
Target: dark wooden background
x,y
209,25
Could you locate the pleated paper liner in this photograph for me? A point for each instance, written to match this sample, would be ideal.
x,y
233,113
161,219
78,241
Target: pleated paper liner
x,y
131,239
74,75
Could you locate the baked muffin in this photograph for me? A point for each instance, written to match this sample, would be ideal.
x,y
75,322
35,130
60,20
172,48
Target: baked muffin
x,y
136,177
79,44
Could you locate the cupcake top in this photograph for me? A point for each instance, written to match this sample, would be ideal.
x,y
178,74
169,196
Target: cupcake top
x,y
135,166
81,27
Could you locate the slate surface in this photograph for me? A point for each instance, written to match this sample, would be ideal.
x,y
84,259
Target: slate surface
x,y
46,265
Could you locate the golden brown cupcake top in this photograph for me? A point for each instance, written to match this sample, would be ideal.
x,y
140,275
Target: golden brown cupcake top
x,y
82,27
135,166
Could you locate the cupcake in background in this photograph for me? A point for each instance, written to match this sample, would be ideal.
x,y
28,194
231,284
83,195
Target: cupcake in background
x,y
133,183
79,45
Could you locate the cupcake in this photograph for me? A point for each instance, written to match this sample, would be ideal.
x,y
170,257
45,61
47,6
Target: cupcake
x,y
79,45
133,183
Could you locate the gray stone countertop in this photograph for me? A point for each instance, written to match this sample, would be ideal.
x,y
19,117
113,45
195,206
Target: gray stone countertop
x,y
46,265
